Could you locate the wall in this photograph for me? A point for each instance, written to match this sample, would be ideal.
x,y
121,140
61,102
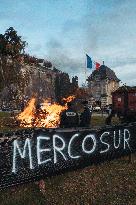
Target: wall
x,y
101,90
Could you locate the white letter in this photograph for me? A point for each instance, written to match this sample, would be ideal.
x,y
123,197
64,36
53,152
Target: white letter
x,y
16,147
126,139
58,149
105,133
94,144
116,147
69,146
41,150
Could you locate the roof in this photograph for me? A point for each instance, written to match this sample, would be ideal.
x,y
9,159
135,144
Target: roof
x,y
105,73
125,88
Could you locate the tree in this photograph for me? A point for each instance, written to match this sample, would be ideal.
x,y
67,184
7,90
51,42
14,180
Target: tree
x,y
63,86
56,70
30,60
47,64
12,49
2,53
82,93
75,81
14,43
74,84
57,88
3,44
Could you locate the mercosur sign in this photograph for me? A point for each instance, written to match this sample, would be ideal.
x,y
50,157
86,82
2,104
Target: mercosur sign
x,y
32,154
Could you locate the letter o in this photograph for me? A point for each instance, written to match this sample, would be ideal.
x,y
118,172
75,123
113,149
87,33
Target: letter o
x,y
94,144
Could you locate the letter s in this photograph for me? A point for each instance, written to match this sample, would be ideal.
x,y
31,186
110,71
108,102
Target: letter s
x,y
101,139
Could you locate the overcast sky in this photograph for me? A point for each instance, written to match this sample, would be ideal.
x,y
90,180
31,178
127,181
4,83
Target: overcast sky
x,y
63,31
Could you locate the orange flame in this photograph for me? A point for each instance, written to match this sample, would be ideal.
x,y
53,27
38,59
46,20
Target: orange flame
x,y
69,99
27,115
47,116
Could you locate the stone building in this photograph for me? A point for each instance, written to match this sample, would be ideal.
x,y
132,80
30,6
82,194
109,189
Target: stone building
x,y
28,76
40,82
51,84
101,84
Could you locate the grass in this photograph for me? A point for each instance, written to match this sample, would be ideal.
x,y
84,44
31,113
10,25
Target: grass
x,y
100,121
4,114
110,183
106,184
5,120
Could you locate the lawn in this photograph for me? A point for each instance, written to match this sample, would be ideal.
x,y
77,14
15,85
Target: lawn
x,y
105,184
100,121
7,119
4,115
110,183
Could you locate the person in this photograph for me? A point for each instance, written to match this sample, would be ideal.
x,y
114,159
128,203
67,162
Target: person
x,y
85,118
110,115
22,106
69,117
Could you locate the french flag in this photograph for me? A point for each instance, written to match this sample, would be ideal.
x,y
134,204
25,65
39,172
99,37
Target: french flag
x,y
97,65
89,62
92,64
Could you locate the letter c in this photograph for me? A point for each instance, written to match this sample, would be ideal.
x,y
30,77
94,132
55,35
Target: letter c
x,y
69,146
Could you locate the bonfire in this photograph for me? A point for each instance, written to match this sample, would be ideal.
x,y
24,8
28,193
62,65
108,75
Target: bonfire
x,y
47,115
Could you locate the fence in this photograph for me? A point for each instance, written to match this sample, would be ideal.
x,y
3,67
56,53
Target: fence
x,y
32,154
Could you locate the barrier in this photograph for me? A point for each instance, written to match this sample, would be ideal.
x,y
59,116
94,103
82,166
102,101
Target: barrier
x,y
32,154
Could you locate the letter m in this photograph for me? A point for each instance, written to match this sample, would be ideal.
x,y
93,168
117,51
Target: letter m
x,y
21,153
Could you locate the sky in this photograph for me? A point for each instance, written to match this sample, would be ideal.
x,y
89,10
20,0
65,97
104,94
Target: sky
x,y
64,31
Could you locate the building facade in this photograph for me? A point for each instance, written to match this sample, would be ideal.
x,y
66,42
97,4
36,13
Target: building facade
x,y
40,82
101,84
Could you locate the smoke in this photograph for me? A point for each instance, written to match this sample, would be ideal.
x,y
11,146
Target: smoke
x,y
127,73
105,33
61,57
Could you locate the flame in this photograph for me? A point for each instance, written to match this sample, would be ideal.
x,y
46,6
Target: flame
x,y
28,114
69,99
47,116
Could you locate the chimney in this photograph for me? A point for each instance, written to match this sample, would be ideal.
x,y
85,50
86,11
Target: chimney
x,y
103,62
